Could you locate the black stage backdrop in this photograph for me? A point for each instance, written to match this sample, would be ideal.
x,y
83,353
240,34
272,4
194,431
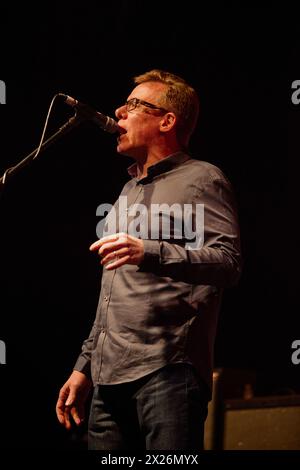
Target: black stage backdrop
x,y
49,280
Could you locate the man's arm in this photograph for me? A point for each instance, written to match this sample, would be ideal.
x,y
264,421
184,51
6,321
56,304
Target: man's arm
x,y
83,363
217,262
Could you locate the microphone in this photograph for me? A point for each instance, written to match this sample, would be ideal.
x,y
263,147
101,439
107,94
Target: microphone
x,y
106,123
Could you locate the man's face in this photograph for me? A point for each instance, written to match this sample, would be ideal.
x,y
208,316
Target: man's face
x,y
141,125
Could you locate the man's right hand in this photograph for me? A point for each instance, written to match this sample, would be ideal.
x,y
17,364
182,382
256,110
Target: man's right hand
x,y
71,400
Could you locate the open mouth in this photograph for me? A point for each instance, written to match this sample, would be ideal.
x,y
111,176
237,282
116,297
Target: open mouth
x,y
119,138
122,131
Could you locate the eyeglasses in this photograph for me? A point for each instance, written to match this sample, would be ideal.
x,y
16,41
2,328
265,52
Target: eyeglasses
x,y
134,102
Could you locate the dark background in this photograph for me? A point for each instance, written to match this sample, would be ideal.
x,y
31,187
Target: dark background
x,y
49,280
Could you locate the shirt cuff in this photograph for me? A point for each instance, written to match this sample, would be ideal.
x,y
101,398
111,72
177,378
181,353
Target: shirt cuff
x,y
84,366
151,254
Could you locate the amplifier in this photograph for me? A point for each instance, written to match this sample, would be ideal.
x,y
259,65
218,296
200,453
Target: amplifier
x,y
264,423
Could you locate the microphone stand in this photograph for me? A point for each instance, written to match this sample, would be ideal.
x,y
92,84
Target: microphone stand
x,y
67,127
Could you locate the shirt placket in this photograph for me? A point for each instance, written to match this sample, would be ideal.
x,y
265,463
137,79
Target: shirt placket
x,y
107,285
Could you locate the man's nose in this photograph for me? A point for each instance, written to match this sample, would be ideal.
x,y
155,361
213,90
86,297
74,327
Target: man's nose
x,y
121,112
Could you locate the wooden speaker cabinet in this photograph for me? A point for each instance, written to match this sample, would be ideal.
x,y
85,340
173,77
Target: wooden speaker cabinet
x,y
265,423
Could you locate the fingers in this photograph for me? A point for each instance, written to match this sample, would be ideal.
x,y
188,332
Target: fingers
x,y
65,408
116,264
119,249
63,414
71,398
60,411
109,238
109,247
77,414
67,422
60,405
114,255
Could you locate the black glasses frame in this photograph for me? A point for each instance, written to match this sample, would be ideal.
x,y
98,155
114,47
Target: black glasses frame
x,y
134,102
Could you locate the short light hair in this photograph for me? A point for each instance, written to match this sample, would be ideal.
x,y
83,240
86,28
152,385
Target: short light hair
x,y
179,98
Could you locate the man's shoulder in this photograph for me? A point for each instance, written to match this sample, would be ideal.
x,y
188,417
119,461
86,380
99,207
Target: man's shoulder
x,y
204,171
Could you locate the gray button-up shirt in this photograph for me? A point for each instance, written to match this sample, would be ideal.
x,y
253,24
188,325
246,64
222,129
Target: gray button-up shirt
x,y
165,310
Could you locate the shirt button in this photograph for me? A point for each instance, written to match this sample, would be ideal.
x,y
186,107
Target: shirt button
x,y
106,298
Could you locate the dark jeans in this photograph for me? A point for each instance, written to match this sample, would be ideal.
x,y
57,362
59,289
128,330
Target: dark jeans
x,y
165,410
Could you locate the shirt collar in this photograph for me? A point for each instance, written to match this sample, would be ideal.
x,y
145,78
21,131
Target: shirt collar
x,y
166,164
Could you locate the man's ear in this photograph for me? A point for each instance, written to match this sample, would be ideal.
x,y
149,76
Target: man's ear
x,y
168,122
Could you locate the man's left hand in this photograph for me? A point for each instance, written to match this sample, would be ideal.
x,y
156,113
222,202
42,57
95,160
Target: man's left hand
x,y
119,249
